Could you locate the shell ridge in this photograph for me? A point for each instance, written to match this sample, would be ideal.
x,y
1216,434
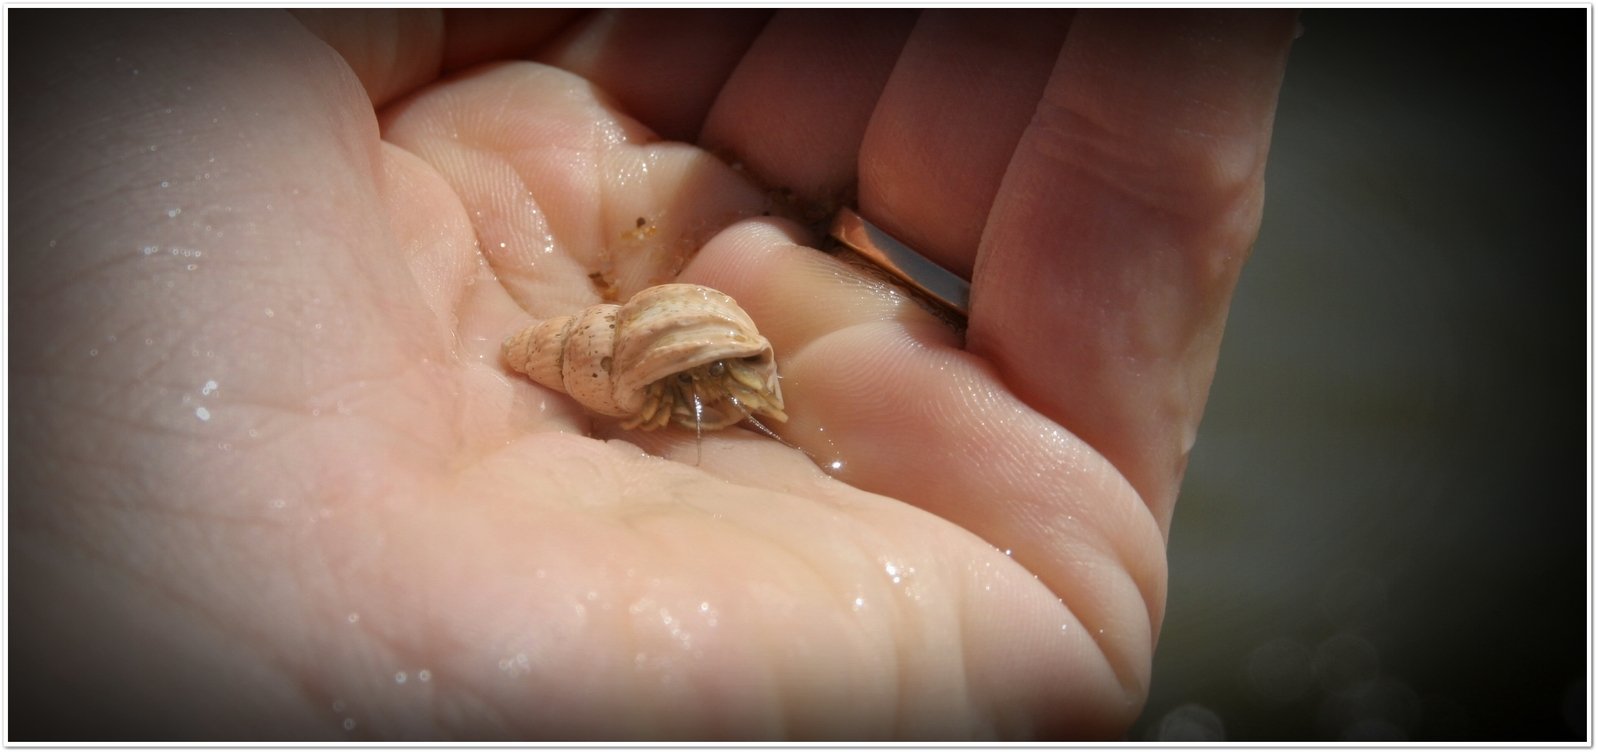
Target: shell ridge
x,y
617,360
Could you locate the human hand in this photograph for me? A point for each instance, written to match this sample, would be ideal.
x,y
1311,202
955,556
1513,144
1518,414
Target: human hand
x,y
272,479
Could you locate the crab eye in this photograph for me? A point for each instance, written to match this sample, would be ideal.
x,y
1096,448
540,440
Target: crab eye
x,y
685,377
717,369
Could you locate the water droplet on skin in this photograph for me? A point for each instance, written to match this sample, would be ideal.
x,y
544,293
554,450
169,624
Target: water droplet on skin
x,y
399,678
354,617
202,414
166,184
338,704
210,387
269,313
1007,552
424,676
279,503
94,352
174,212
859,603
349,723
835,466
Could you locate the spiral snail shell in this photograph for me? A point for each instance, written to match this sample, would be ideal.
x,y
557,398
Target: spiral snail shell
x,y
672,352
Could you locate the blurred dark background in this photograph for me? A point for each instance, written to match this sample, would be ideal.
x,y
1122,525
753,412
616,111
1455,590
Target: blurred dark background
x,y
1383,534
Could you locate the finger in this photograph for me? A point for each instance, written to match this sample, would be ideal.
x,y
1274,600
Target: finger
x,y
941,136
796,108
879,393
572,202
476,35
664,67
391,51
395,51
1112,249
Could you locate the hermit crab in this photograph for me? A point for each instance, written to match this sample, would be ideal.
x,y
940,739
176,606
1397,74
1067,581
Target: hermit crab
x,y
683,353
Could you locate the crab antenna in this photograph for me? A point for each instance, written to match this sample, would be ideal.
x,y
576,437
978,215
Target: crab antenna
x,y
750,417
699,429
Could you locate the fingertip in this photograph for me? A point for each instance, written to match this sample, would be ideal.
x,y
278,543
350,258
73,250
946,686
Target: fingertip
x,y
732,260
795,293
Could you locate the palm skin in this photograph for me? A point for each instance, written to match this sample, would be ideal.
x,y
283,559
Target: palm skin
x,y
273,481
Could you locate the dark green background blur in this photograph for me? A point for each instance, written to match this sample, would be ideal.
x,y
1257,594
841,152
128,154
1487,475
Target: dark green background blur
x,y
1383,534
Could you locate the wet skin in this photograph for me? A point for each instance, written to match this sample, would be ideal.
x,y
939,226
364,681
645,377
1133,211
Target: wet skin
x,y
269,469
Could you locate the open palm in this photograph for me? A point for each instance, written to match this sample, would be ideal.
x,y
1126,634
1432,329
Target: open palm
x,y
273,480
